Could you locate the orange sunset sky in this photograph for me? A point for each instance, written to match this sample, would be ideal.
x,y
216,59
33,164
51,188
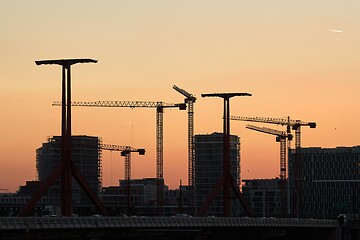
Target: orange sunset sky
x,y
297,58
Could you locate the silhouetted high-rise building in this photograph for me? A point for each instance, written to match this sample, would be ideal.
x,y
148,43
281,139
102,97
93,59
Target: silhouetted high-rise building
x,y
329,181
209,169
86,156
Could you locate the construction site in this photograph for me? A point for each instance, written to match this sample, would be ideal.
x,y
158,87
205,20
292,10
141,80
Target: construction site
x,y
69,169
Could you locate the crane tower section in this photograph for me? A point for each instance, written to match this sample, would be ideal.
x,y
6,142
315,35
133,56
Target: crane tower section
x,y
281,137
125,151
189,100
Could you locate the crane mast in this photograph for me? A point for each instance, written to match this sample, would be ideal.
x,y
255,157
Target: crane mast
x,y
125,151
294,125
190,100
159,128
281,137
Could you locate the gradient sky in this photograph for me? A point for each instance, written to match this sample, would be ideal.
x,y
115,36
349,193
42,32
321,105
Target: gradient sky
x,y
286,53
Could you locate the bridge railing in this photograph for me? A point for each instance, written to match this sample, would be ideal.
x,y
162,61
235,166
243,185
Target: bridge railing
x,y
13,223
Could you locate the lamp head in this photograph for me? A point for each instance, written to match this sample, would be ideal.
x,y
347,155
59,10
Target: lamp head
x,y
65,62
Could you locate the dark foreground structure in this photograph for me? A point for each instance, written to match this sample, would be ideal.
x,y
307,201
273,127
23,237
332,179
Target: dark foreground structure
x,y
156,228
330,182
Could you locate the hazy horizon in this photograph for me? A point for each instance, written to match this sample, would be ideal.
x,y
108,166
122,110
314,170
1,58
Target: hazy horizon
x,y
297,58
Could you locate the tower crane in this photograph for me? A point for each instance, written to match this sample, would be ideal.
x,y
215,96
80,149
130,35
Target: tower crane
x,y
125,151
189,100
160,106
281,137
289,123
294,125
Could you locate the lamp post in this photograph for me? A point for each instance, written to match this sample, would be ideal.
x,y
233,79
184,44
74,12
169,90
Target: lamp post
x,y
66,168
226,181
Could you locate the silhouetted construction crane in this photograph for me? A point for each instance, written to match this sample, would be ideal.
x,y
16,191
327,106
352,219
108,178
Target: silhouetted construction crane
x,y
125,151
294,125
289,123
281,137
160,106
189,100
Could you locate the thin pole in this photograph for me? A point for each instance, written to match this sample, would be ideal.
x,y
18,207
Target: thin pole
x,y
63,138
63,113
68,170
180,198
226,181
127,179
226,161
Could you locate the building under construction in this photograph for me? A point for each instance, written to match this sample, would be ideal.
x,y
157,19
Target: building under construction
x,y
209,168
86,155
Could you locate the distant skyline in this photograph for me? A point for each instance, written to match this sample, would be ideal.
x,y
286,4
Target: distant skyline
x,y
297,58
